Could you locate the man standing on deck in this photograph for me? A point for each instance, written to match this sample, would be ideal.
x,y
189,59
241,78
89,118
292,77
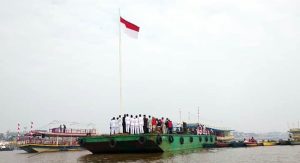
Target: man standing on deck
x,y
132,124
149,124
163,126
120,124
204,130
141,124
136,125
170,127
127,122
112,126
124,123
117,125
65,128
166,125
145,126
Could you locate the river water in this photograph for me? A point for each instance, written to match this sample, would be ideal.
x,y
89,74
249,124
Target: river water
x,y
272,154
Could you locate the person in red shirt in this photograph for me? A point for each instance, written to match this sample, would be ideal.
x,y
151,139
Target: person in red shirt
x,y
170,127
154,123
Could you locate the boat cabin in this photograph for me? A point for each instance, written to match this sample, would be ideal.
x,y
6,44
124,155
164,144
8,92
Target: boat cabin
x,y
56,136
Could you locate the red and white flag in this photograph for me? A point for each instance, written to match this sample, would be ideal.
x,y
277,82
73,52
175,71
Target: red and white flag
x,y
131,30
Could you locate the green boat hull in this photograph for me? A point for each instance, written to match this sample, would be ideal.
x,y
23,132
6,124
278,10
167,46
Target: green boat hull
x,y
145,143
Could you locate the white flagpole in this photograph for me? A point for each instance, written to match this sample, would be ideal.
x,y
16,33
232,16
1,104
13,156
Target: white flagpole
x,y
120,63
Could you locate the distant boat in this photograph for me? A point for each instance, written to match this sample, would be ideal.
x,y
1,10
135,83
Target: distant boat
x,y
220,144
236,144
295,143
269,143
54,140
251,142
294,136
5,148
284,142
223,136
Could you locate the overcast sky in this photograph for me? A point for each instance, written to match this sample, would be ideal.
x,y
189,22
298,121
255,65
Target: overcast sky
x,y
238,61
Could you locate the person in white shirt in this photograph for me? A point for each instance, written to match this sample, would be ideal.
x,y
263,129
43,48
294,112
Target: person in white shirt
x,y
136,125
149,124
127,122
131,125
163,125
141,124
117,125
120,124
112,126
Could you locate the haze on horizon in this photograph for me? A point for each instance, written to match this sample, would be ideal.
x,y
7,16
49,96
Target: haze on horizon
x,y
238,61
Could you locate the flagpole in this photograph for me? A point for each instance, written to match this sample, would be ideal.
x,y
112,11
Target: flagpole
x,y
120,63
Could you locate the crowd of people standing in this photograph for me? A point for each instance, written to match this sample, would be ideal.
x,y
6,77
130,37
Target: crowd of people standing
x,y
139,124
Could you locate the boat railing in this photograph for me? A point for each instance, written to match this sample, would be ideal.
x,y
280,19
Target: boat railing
x,y
73,131
50,142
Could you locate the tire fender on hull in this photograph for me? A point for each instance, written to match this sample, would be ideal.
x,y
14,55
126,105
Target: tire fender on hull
x,y
142,140
158,139
112,143
171,139
181,139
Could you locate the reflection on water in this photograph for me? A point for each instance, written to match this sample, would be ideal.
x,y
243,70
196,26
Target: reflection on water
x,y
140,157
273,154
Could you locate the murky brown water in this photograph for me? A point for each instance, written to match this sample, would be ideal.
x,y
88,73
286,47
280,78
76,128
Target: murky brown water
x,y
273,154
